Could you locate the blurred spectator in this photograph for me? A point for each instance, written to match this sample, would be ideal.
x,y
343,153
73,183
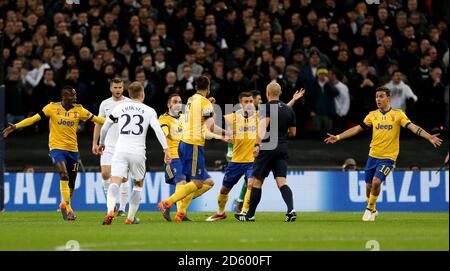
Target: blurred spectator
x,y
46,91
349,165
362,91
400,92
58,57
322,94
149,88
83,96
341,101
431,101
35,75
189,61
15,95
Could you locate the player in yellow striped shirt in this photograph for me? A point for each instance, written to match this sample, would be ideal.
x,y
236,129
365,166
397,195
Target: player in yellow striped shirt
x,y
171,124
64,118
384,147
244,123
198,118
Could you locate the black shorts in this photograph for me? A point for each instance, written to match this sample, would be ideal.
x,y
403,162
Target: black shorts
x,y
272,160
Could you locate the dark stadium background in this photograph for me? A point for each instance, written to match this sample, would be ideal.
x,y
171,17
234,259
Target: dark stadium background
x,y
241,45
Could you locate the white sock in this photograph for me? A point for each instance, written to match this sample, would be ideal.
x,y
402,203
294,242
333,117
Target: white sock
x,y
106,184
135,200
124,191
111,197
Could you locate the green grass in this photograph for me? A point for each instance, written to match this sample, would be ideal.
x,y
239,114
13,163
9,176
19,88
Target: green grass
x,y
311,231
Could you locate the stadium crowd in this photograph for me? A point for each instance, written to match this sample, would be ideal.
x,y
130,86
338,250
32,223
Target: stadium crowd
x,y
339,51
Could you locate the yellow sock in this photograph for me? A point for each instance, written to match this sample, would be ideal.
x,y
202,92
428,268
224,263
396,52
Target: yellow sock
x,y
246,204
65,193
201,191
177,188
222,201
186,202
182,192
371,203
374,206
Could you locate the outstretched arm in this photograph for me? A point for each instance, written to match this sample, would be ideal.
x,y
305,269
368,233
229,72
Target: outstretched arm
x,y
331,139
24,123
434,139
297,95
97,119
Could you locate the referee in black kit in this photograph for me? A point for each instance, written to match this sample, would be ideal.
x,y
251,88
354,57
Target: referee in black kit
x,y
272,158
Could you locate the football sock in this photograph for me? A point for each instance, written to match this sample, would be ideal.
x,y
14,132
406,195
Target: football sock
x,y
202,191
255,197
222,201
243,192
135,200
106,184
375,204
286,192
182,192
124,191
179,203
184,203
111,197
188,199
246,200
65,193
371,202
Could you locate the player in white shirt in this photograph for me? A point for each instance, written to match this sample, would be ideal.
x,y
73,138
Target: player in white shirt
x,y
106,107
133,119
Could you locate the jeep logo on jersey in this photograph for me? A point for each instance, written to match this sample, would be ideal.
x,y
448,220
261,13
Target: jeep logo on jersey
x,y
66,123
384,127
247,129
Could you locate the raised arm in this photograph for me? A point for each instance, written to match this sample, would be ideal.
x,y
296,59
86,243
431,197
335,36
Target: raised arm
x,y
24,123
434,139
297,95
331,139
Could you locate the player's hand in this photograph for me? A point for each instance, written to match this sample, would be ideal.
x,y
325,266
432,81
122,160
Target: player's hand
x,y
212,100
227,139
11,127
95,149
167,157
256,150
331,139
100,149
298,94
435,140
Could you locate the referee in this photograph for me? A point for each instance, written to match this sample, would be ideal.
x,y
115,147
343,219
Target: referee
x,y
274,160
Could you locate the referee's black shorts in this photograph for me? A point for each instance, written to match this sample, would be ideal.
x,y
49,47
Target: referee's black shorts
x,y
271,160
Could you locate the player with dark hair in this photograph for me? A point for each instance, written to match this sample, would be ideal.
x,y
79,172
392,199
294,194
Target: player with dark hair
x,y
64,118
244,124
198,118
384,147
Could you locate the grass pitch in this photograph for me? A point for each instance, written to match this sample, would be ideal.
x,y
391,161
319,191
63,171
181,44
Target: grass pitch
x,y
311,231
